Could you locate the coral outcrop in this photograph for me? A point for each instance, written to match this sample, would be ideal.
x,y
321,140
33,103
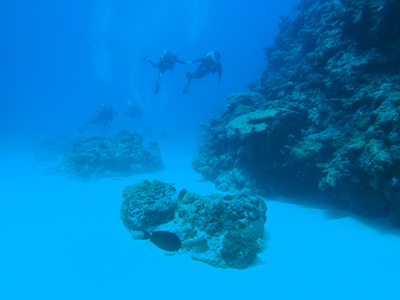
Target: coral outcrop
x,y
222,231
324,116
122,154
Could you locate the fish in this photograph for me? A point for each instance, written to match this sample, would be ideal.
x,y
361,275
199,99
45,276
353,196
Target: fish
x,y
164,240
181,194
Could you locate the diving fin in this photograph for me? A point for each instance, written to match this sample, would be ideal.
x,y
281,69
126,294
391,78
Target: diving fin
x,y
186,87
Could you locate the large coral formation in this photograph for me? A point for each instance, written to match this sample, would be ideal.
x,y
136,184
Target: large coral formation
x,y
122,154
222,231
333,76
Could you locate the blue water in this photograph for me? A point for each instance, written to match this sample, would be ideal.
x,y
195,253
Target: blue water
x,y
61,61
62,239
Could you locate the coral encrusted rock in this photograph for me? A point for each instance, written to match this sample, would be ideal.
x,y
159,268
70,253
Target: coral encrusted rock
x,y
222,231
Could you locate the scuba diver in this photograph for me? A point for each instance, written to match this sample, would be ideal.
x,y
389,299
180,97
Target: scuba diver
x,y
103,116
135,111
167,62
209,64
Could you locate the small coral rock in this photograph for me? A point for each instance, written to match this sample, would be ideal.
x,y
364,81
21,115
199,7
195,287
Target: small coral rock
x,y
222,231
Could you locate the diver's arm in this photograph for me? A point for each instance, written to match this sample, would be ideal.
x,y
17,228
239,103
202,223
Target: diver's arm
x,y
182,62
198,60
153,64
219,70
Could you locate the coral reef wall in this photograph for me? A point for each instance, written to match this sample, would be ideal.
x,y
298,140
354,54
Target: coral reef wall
x,y
324,116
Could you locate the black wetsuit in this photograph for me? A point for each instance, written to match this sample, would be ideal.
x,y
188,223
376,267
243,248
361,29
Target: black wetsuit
x,y
208,65
167,62
103,116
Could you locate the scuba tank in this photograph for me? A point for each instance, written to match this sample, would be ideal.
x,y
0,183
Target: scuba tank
x,y
211,62
168,58
163,55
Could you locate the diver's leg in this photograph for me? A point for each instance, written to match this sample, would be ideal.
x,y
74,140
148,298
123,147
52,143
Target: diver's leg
x,y
188,75
199,73
158,82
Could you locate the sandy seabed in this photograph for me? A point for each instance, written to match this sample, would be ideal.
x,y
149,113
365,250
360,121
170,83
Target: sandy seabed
x,y
63,239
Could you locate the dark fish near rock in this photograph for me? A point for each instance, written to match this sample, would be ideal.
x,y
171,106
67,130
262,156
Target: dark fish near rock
x,y
164,240
181,194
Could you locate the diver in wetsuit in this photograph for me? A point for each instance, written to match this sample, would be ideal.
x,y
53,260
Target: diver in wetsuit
x,y
167,62
135,111
103,116
209,64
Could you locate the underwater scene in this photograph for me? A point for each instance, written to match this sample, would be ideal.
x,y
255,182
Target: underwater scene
x,y
198,149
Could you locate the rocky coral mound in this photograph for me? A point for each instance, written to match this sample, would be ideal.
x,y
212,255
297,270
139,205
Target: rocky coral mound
x,y
222,231
325,114
122,154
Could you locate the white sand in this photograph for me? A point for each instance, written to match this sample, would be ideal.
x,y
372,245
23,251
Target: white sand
x,y
63,239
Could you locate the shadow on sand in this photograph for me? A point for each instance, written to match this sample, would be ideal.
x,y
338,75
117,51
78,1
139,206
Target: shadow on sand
x,y
332,212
